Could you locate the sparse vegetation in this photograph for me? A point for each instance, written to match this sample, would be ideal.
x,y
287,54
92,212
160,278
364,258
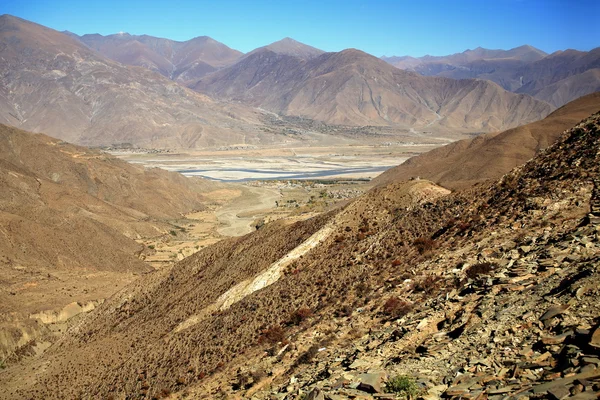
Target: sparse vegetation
x,y
476,270
308,355
396,308
272,335
424,245
299,315
402,385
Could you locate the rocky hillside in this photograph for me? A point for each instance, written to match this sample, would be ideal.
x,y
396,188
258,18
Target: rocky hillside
x,y
463,163
491,291
355,88
556,78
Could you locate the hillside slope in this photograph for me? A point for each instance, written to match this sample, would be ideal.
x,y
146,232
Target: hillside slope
x,y
354,88
386,284
462,163
69,217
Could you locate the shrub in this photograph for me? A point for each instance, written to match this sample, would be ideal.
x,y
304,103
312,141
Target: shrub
x,y
396,308
427,284
272,335
299,315
480,269
424,245
173,233
308,355
402,385
151,247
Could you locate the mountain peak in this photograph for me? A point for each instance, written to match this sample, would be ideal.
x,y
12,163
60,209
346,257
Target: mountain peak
x,y
292,47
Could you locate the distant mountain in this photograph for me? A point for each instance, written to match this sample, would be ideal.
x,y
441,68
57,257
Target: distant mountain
x,y
180,61
556,78
52,83
291,47
463,163
355,88
562,76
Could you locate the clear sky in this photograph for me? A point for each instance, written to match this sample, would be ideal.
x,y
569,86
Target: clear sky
x,y
379,27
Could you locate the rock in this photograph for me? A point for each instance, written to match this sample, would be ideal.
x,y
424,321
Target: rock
x,y
553,312
544,387
559,393
595,339
371,383
315,394
556,339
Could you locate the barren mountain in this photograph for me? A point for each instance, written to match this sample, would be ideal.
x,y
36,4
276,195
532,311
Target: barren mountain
x,y
290,47
463,163
524,53
53,83
567,72
68,220
488,291
556,78
354,88
180,61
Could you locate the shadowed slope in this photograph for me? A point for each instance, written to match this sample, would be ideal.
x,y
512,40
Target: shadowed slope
x,y
462,163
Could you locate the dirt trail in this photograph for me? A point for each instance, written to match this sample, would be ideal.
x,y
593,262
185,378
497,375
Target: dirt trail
x,y
239,215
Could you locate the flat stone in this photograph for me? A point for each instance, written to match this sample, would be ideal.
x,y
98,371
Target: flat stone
x,y
502,390
590,360
315,394
595,339
556,339
457,390
371,383
544,387
554,311
559,393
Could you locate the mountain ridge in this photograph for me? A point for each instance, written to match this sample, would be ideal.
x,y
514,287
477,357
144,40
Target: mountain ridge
x,y
351,87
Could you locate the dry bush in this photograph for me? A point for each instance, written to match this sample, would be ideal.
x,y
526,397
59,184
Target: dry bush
x,y
427,284
308,355
299,315
396,308
424,245
344,311
476,270
272,335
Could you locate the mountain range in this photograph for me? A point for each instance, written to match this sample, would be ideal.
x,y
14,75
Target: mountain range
x,y
179,61
556,78
52,83
354,88
74,89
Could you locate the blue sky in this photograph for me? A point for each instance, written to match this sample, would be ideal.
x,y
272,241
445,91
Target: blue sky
x,y
379,27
